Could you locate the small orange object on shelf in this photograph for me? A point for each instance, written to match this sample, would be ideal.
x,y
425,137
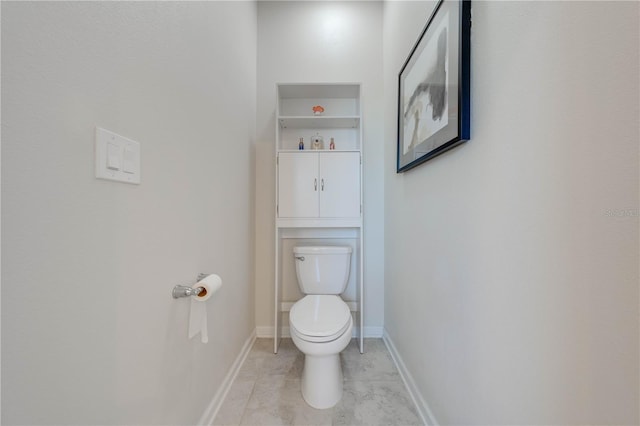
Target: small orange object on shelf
x,y
317,110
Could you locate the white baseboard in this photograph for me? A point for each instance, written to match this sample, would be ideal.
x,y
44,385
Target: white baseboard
x,y
423,408
369,332
262,332
212,409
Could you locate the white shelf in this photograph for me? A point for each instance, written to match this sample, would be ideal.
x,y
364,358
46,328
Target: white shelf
x,y
303,151
319,122
311,219
318,223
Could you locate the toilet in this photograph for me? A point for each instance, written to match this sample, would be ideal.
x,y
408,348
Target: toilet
x,y
321,321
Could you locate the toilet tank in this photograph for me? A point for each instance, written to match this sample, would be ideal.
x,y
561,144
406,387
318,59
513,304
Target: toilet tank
x,y
322,269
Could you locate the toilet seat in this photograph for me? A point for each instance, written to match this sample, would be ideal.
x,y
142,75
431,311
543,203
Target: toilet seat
x,y
320,317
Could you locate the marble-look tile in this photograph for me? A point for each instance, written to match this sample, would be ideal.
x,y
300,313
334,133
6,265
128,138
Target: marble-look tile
x,y
375,345
267,389
374,364
287,347
370,346
235,402
263,347
251,369
375,403
261,361
289,365
277,400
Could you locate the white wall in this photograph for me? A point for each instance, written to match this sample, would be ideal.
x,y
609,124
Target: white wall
x,y
90,332
320,41
511,293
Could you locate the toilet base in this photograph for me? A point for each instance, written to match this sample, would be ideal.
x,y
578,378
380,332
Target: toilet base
x,y
322,374
322,380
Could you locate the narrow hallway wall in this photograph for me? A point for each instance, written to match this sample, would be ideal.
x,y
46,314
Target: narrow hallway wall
x,y
511,268
90,332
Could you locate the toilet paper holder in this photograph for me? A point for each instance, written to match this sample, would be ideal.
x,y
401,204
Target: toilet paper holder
x,y
186,291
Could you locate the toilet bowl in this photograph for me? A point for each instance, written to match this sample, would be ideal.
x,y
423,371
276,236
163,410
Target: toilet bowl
x,y
321,321
321,328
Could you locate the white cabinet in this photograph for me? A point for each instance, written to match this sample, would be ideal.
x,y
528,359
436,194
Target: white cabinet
x,y
318,192
319,185
339,184
297,185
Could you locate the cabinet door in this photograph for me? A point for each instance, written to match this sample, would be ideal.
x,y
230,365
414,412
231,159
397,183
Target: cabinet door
x,y
298,184
339,184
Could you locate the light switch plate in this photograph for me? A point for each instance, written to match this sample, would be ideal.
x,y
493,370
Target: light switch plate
x,y
117,157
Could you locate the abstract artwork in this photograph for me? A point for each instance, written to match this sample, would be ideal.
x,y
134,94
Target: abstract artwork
x,y
433,92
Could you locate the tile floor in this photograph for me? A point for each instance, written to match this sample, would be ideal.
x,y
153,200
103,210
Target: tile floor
x,y
267,390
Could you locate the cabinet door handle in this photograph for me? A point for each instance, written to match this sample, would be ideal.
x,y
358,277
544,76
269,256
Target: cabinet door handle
x,y
322,184
315,184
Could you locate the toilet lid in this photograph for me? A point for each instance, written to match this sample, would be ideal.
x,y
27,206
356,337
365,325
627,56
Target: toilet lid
x,y
323,316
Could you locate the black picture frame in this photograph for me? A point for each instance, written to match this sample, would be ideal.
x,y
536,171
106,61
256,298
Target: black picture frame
x,y
434,87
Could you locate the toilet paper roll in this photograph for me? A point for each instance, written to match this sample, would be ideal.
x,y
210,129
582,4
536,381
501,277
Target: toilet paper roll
x,y
210,284
198,315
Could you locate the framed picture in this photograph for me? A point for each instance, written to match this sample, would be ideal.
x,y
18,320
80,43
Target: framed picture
x,y
433,87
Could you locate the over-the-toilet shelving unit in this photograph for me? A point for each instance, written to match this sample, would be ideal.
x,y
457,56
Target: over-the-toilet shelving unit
x,y
318,192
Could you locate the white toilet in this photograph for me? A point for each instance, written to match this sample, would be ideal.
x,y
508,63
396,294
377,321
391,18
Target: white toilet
x,y
321,321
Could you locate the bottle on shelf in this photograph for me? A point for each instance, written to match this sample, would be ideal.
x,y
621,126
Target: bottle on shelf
x,y
301,144
332,145
317,142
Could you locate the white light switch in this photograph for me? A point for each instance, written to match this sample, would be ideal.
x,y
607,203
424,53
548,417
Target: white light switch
x,y
113,156
117,158
129,163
